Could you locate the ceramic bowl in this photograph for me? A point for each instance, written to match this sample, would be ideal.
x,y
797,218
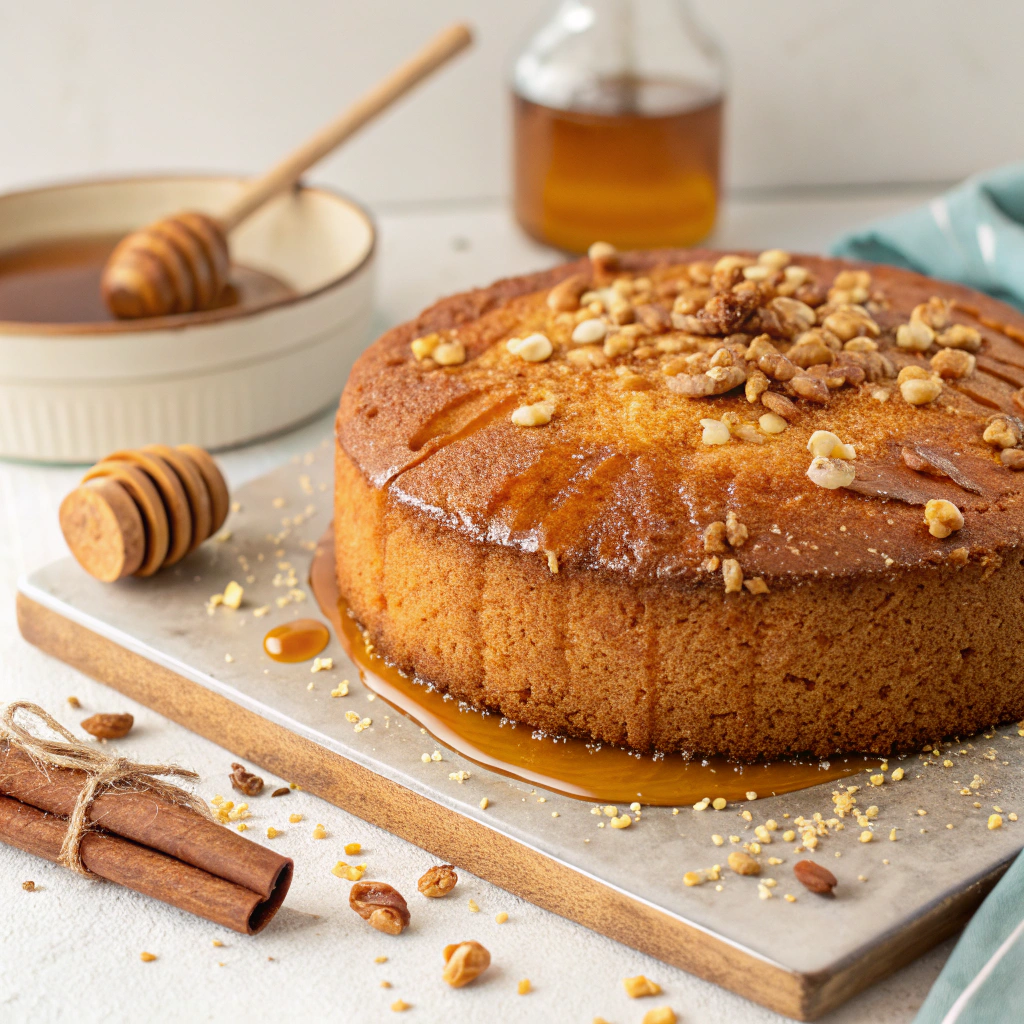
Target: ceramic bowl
x,y
73,392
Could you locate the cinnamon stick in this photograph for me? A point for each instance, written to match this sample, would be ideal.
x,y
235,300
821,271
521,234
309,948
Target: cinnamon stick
x,y
145,818
145,870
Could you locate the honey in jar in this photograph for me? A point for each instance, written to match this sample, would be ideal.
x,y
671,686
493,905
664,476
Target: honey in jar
x,y
617,119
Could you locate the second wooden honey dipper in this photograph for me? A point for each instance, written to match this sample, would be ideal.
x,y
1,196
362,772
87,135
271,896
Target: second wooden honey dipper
x,y
139,510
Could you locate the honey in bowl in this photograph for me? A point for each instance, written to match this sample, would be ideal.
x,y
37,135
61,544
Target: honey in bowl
x,y
296,641
588,771
58,282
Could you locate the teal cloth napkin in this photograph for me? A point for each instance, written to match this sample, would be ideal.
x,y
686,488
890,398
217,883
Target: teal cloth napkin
x,y
973,234
980,983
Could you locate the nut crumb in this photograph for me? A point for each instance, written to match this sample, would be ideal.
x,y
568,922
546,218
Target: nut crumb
x,y
639,986
29,886
524,987
464,962
147,958
501,917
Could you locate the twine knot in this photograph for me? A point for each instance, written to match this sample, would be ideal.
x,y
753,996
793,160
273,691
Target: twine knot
x,y
104,772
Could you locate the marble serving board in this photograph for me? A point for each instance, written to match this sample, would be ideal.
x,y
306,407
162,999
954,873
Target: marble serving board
x,y
155,640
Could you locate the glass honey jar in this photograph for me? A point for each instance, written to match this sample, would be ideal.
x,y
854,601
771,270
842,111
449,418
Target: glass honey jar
x,y
618,126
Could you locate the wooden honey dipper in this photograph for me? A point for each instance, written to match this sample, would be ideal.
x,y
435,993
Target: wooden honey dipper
x,y
181,264
139,510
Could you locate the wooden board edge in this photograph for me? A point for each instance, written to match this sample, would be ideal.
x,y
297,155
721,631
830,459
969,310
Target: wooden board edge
x,y
464,842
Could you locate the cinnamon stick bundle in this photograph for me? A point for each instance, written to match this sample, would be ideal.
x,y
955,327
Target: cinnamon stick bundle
x,y
141,839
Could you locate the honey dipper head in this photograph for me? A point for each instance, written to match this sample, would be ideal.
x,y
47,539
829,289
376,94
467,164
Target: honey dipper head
x,y
176,265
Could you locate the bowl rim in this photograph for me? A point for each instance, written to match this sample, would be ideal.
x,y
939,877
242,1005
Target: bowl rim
x,y
184,321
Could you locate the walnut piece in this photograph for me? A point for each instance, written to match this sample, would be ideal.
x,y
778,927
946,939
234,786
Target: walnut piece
x,y
438,881
565,296
942,517
380,905
108,727
464,962
244,781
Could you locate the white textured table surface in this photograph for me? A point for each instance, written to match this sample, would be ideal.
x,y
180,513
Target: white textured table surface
x,y
70,951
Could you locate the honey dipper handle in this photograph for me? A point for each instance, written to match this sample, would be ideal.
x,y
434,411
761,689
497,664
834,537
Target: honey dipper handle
x,y
283,175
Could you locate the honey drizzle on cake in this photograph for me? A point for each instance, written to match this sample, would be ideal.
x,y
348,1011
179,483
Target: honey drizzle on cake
x,y
596,772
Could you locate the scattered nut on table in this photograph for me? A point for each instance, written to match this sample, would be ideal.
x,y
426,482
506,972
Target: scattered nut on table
x,y
814,877
382,906
438,881
108,727
464,962
244,781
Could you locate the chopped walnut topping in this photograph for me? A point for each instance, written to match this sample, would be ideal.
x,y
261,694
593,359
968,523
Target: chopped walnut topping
x,y
756,585
960,336
917,391
1001,433
1012,458
535,348
586,332
780,405
831,473
449,353
732,575
735,531
423,348
244,781
953,364
826,444
536,415
715,539
604,257
565,296
771,423
915,336
850,321
715,432
811,388
942,517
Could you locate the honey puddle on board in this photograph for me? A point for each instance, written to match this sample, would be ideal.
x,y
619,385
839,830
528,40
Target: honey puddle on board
x,y
595,772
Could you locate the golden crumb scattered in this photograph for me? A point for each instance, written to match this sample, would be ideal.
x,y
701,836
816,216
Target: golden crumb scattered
x,y
29,886
241,826
380,959
660,1015
341,690
897,775
232,597
295,818
501,916
400,1005
74,702
623,821
353,848
484,803
385,984
751,795
995,821
459,776
719,803
524,987
866,836
789,898
350,872
217,942
638,987
147,958
473,907
272,832
322,665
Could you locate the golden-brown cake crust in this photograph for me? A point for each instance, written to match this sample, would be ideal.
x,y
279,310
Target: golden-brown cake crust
x,y
873,634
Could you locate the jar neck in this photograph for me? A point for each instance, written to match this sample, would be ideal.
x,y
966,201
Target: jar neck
x,y
588,53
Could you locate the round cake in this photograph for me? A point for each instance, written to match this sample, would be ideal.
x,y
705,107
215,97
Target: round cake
x,y
743,504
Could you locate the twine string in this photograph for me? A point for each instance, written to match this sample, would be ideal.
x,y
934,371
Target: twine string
x,y
104,772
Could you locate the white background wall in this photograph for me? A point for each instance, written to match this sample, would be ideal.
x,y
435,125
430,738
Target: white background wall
x,y
823,91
